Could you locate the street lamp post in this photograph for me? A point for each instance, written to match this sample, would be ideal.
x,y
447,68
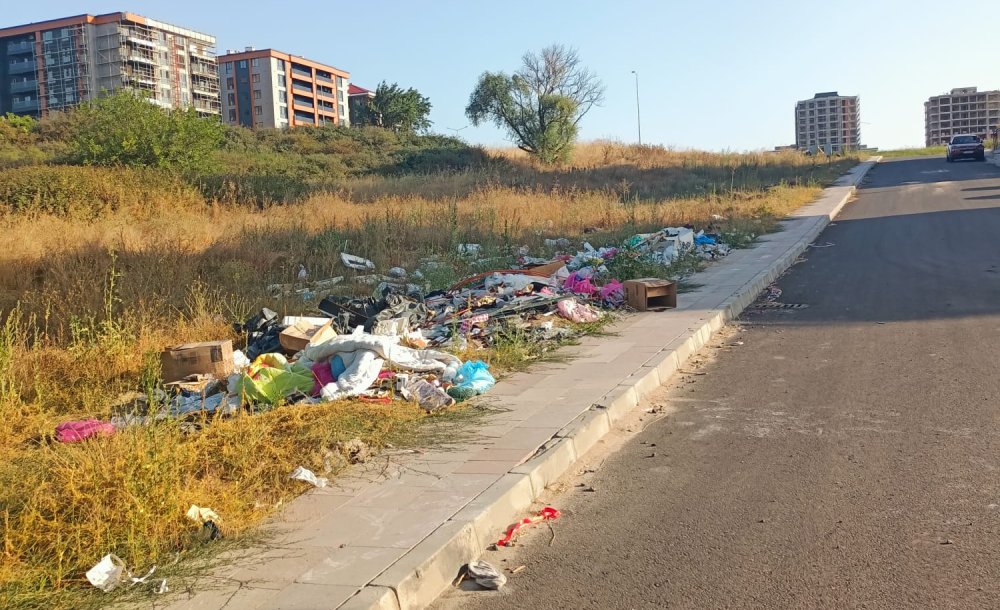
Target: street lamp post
x,y
638,119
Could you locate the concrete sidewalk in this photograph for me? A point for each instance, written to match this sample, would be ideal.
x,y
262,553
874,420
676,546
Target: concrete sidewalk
x,y
395,535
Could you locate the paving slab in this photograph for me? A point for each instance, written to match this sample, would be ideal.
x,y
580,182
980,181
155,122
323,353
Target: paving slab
x,y
393,535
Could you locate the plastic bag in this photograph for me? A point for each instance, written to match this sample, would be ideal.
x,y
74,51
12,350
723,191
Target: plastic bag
x,y
577,312
108,573
270,378
471,379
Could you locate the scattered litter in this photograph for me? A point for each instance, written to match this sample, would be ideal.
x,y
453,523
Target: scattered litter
x,y
469,249
76,431
826,245
304,474
356,262
163,587
201,515
546,514
486,575
519,569
108,573
398,341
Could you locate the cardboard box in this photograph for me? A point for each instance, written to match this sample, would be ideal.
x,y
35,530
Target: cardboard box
x,y
304,331
211,358
650,294
545,270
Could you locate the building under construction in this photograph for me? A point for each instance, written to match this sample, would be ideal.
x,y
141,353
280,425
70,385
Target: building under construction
x,y
57,64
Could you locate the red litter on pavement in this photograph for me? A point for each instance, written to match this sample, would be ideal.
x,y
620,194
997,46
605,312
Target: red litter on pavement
x,y
546,514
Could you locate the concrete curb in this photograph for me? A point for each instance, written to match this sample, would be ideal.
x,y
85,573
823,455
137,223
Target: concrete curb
x,y
417,579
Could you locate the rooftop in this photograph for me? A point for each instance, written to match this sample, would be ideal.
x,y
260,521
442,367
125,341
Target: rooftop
x,y
102,19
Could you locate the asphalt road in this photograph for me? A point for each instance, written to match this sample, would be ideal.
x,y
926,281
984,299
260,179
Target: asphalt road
x,y
846,455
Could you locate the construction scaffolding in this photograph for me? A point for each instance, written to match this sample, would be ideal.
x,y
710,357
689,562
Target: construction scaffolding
x,y
64,68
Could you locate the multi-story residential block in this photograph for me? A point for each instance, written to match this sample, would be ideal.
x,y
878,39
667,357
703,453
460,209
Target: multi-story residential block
x,y
828,122
358,99
57,64
964,110
268,88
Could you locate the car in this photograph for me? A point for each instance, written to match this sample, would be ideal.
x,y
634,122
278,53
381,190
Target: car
x,y
966,146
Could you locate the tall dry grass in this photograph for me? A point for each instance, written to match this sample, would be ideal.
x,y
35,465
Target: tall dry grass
x,y
89,300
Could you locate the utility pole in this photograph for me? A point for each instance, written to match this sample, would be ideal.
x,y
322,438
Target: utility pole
x,y
638,119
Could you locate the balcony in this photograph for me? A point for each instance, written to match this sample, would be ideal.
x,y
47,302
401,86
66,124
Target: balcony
x,y
20,67
30,105
301,88
17,48
302,73
325,79
23,85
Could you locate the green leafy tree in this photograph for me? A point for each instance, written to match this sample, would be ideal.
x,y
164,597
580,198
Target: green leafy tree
x,y
540,105
395,108
126,129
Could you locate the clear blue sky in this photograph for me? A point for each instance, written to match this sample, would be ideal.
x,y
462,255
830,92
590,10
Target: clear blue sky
x,y
712,74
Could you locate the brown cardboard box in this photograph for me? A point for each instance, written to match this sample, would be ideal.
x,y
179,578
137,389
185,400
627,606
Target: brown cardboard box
x,y
650,293
296,337
210,357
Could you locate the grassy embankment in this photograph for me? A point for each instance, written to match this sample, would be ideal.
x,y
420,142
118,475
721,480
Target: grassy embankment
x,y
102,268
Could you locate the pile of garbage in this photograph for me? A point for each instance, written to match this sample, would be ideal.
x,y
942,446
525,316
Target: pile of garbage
x,y
399,343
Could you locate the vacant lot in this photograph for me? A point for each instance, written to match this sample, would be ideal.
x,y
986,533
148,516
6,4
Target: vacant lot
x,y
101,268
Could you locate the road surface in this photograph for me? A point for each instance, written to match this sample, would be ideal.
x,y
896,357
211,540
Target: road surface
x,y
846,455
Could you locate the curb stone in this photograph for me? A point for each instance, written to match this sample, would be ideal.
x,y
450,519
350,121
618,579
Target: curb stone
x,y
417,579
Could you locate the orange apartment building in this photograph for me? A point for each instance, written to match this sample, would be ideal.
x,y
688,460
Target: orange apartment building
x,y
268,88
56,64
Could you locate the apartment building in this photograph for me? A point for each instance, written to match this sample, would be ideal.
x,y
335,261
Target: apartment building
x,y
964,110
828,122
54,65
268,88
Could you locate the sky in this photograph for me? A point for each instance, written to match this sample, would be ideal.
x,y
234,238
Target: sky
x,y
713,74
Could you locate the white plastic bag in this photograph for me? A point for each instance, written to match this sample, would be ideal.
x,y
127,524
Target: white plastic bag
x,y
108,573
304,474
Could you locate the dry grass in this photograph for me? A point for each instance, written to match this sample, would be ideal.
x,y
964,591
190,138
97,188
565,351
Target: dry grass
x,y
88,303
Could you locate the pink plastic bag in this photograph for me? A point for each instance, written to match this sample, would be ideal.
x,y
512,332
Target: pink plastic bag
x,y
76,431
579,285
613,293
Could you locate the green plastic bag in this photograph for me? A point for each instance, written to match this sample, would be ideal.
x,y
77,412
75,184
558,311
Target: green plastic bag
x,y
270,384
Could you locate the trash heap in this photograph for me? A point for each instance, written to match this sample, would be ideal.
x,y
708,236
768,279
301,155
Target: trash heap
x,y
399,343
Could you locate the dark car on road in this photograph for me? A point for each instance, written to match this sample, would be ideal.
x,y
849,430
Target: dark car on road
x,y
965,147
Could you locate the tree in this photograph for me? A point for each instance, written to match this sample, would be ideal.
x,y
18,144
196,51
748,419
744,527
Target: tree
x,y
394,108
126,129
541,104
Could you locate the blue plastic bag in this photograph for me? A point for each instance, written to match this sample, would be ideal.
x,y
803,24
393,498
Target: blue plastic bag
x,y
471,379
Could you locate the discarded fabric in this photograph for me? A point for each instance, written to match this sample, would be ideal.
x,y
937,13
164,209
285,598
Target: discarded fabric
x,y
486,575
546,514
76,431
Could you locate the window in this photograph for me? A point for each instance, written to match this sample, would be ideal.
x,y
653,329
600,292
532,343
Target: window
x,y
229,67
232,115
229,83
283,112
256,94
258,110
256,77
255,62
243,64
232,99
